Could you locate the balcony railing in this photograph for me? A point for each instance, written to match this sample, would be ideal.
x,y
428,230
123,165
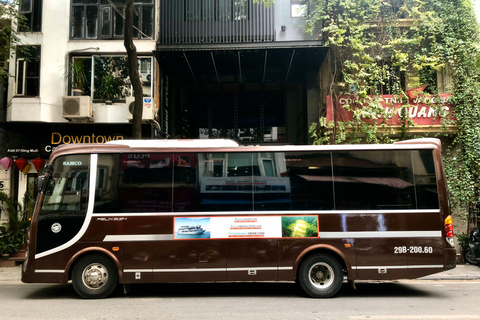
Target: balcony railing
x,y
215,21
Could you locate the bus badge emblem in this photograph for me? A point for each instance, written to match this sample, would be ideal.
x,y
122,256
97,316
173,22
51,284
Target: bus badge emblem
x,y
56,227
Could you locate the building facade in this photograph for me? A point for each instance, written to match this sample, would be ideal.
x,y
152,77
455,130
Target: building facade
x,y
210,68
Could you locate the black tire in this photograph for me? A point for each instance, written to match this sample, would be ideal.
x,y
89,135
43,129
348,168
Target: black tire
x,y
94,276
320,276
468,257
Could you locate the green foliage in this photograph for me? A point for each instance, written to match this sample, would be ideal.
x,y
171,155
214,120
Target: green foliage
x,y
267,3
76,74
12,234
375,44
111,78
462,240
8,40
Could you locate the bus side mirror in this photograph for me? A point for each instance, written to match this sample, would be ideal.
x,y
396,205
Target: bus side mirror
x,y
50,187
41,182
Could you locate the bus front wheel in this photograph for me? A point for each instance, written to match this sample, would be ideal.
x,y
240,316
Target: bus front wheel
x,y
320,276
94,276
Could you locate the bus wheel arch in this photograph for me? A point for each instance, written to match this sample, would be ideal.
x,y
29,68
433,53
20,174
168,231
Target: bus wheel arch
x,y
94,274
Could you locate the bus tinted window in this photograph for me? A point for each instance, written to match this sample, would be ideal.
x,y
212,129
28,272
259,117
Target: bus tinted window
x,y
265,181
106,195
138,183
373,180
145,183
185,182
272,185
383,180
310,178
70,193
226,181
425,179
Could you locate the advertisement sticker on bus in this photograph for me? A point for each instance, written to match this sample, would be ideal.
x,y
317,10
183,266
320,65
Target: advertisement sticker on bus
x,y
246,227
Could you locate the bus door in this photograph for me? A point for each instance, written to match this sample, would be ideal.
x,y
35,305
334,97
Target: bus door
x,y
64,209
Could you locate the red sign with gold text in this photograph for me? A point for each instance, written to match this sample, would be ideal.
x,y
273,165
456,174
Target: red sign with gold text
x,y
422,109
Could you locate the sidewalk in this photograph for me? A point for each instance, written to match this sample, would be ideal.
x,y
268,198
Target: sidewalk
x,y
461,272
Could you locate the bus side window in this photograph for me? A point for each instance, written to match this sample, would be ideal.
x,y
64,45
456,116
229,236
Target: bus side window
x,y
106,190
372,180
68,186
310,178
425,179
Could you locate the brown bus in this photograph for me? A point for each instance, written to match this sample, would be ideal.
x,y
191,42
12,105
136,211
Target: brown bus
x,y
130,212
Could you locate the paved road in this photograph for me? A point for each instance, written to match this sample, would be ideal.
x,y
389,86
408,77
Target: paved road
x,y
424,299
442,296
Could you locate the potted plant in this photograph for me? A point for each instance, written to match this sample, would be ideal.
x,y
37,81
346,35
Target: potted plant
x,y
12,233
4,250
76,76
110,87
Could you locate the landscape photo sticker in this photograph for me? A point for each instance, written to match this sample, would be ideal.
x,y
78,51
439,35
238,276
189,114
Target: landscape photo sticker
x,y
299,227
246,227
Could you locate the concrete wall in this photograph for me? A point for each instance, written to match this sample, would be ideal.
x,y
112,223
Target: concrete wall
x,y
294,26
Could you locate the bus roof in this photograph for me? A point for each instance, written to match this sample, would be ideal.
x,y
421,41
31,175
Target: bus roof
x,y
211,145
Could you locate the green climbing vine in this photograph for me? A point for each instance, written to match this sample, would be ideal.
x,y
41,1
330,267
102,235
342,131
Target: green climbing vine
x,y
390,47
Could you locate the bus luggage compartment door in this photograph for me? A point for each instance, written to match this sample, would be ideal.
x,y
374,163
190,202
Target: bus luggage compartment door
x,y
190,261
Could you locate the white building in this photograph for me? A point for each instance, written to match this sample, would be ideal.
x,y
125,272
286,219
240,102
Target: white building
x,y
65,32
43,109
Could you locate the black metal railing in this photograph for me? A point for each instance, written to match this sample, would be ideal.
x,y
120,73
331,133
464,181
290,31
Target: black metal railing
x,y
215,21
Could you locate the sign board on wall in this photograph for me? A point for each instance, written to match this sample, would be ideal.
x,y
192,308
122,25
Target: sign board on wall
x,y
422,109
42,138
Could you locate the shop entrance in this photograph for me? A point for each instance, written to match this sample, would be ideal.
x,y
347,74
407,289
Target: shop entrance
x,y
248,95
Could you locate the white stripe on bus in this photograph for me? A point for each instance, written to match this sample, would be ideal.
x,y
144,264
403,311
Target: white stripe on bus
x,y
323,235
401,267
138,237
252,213
209,269
49,271
380,234
252,268
433,266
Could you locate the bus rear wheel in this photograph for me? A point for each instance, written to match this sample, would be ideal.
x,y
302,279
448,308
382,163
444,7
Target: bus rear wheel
x,y
320,276
94,276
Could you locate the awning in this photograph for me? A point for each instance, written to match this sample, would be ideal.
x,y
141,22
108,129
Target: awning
x,y
241,63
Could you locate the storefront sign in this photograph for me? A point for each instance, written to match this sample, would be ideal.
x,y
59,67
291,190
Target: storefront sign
x,y
422,110
42,138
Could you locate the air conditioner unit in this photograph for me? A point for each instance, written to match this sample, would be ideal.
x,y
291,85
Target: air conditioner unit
x,y
148,108
77,107
146,77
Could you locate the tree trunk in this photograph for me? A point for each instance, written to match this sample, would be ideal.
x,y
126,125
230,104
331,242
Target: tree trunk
x,y
133,71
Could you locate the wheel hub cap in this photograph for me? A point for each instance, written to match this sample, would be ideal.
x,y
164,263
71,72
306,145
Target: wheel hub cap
x,y
95,276
321,275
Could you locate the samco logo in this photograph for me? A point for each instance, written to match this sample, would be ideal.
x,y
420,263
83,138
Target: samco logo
x,y
72,163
